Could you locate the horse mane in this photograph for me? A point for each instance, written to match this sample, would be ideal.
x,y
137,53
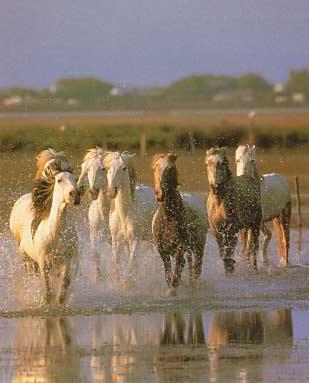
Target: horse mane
x,y
41,196
171,157
111,156
221,153
93,153
156,158
49,154
44,183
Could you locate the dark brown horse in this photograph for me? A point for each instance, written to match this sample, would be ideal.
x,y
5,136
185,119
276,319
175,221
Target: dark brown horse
x,y
177,227
233,204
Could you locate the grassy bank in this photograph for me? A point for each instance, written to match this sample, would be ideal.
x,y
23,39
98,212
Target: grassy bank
x,y
162,131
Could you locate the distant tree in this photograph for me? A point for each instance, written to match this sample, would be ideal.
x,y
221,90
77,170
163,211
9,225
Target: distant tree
x,y
298,82
85,89
254,82
18,91
208,85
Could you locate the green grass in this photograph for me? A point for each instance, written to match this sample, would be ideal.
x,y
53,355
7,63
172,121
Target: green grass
x,y
165,132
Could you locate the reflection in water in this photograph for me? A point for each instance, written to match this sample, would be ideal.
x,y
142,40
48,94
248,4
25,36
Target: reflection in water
x,y
179,329
175,347
44,352
182,355
230,333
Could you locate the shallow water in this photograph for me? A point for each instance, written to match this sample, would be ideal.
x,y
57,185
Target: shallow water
x,y
249,327
176,346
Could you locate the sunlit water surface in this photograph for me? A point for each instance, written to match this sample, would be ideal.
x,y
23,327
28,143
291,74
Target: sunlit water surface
x,y
249,327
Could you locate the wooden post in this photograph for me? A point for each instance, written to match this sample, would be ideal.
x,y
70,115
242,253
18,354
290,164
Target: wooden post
x,y
298,203
192,142
143,144
251,136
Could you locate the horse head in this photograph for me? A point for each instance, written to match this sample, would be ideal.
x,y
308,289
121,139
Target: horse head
x,y
120,173
218,171
93,169
245,160
165,175
65,189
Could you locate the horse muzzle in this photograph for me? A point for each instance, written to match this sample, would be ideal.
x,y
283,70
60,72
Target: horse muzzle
x,y
112,192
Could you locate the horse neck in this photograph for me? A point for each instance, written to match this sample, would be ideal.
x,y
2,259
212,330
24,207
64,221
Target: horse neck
x,y
124,202
252,171
173,203
226,191
56,216
103,201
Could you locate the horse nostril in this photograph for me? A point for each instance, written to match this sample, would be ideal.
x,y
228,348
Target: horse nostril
x,y
72,193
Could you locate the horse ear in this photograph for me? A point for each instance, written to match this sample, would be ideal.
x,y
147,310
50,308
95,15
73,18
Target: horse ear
x,y
253,150
172,157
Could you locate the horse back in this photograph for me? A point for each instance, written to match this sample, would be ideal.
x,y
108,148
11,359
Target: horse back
x,y
275,193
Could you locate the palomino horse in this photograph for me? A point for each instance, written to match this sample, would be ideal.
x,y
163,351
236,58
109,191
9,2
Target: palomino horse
x,y
276,202
232,205
93,172
42,229
121,179
177,227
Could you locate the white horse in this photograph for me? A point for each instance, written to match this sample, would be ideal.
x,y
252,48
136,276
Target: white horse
x,y
121,179
41,227
276,202
93,172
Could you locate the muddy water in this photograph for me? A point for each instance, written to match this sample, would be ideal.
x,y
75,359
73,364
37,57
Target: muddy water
x,y
246,328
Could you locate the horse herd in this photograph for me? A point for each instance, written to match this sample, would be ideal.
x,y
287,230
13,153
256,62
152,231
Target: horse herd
x,y
45,229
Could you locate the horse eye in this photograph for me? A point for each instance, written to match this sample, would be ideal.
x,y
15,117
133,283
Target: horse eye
x,y
59,180
124,168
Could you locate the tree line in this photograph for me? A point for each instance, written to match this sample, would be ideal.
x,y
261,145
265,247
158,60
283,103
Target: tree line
x,y
226,90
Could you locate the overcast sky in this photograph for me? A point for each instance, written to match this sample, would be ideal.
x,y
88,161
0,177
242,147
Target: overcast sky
x,y
148,42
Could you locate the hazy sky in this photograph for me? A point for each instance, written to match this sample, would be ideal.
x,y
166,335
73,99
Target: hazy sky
x,y
148,42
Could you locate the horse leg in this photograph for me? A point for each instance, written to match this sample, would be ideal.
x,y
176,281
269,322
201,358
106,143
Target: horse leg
x,y
115,260
45,275
97,258
243,236
94,231
266,239
191,268
281,239
167,264
228,246
285,222
65,282
179,262
132,256
198,263
253,246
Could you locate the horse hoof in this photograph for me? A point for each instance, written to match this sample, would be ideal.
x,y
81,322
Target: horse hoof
x,y
170,292
283,264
